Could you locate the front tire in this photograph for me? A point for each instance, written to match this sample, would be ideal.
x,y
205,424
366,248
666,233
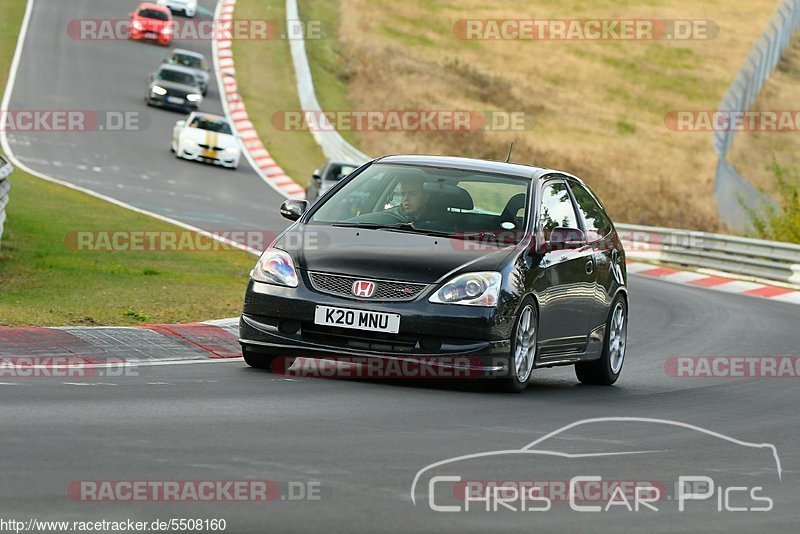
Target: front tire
x,y
606,370
258,361
524,345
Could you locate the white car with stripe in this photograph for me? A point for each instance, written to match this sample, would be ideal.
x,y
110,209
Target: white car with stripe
x,y
207,138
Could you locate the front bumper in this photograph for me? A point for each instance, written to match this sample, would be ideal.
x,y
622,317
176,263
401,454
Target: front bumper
x,y
280,321
223,159
161,102
144,35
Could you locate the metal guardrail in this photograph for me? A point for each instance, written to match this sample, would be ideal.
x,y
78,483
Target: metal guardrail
x,y
5,187
332,143
757,258
730,188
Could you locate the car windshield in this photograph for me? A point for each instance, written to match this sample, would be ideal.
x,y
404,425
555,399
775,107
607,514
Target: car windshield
x,y
192,62
423,199
153,14
213,125
176,76
337,172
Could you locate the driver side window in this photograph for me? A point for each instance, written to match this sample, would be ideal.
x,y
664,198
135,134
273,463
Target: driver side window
x,y
556,209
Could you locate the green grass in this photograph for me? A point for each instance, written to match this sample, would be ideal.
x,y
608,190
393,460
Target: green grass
x,y
267,85
45,282
329,67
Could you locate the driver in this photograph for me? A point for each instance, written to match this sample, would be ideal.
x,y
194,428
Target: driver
x,y
415,200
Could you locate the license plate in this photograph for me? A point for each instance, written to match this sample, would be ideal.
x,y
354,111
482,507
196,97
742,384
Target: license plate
x,y
150,35
174,100
357,319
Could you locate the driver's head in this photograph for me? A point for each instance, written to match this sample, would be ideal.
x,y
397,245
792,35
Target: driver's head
x,y
413,195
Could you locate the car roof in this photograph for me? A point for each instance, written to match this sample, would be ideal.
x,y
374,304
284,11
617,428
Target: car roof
x,y
179,68
477,165
185,52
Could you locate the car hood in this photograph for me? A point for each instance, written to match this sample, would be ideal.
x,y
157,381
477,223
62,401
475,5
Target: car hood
x,y
384,254
152,25
209,138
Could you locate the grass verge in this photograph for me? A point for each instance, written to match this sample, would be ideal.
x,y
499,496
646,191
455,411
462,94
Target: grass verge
x,y
45,283
267,85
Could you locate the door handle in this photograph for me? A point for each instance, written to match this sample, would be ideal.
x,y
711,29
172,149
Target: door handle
x,y
589,267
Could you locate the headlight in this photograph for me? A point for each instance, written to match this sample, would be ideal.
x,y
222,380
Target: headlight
x,y
191,144
166,30
232,151
472,289
194,98
158,90
275,267
137,25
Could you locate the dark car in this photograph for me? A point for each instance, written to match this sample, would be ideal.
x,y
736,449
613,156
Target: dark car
x,y
326,177
413,257
194,61
174,87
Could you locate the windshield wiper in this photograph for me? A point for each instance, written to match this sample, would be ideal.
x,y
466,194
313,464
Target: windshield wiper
x,y
397,227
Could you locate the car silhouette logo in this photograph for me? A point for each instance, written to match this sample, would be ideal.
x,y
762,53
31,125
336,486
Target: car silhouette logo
x,y
363,288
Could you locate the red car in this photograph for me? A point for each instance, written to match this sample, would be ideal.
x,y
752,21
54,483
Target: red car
x,y
153,22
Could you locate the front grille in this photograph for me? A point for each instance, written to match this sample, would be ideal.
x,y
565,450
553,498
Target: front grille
x,y
385,290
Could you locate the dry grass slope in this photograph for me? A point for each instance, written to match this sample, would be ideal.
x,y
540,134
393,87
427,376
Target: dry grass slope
x,y
598,107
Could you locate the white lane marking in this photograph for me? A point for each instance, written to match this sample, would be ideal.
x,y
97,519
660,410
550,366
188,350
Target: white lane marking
x,y
37,161
88,384
636,267
793,298
738,286
97,169
683,277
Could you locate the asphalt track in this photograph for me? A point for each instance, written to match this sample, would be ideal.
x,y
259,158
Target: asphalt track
x,y
362,441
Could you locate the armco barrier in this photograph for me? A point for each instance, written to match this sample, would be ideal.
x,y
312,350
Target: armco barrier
x,y
5,187
731,190
332,143
769,260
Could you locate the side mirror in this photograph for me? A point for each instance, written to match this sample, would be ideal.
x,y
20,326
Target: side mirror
x,y
131,14
293,209
562,238
316,176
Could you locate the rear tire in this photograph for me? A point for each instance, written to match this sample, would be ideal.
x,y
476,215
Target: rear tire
x,y
606,370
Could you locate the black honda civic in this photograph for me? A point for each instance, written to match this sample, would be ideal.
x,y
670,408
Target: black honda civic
x,y
496,268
